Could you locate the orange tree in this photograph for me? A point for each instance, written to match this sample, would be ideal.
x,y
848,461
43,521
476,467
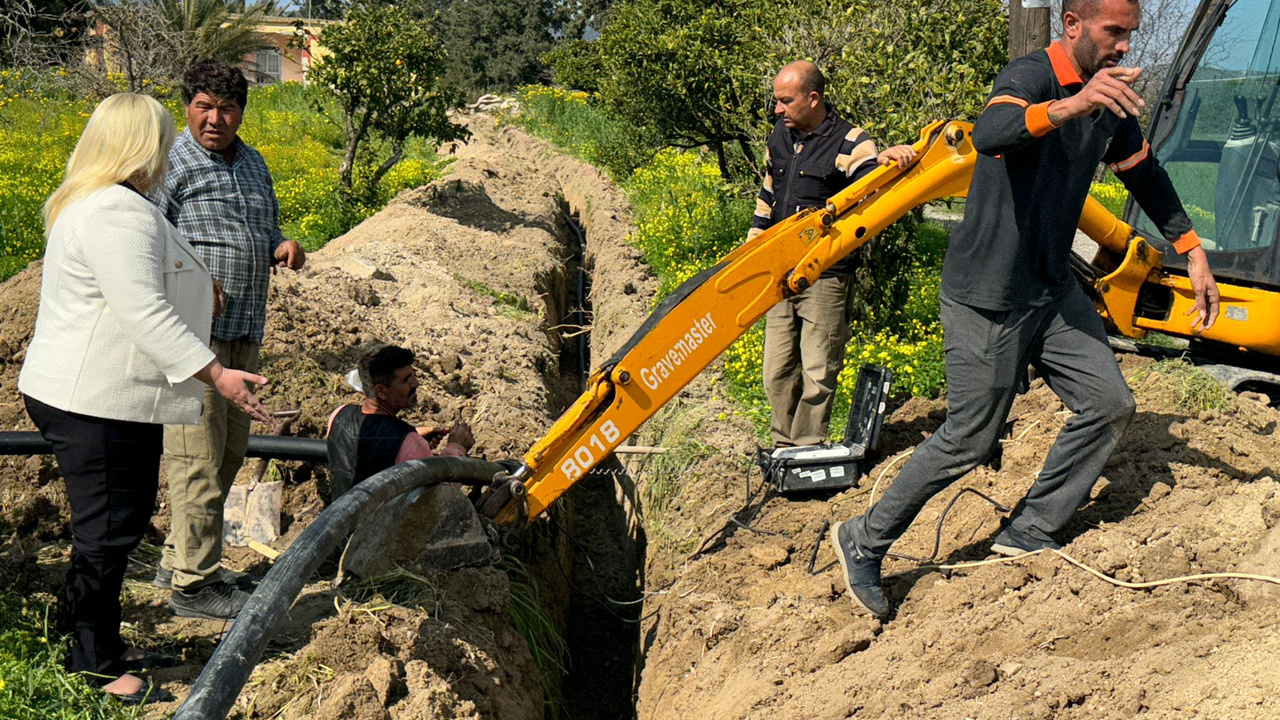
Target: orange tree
x,y
383,69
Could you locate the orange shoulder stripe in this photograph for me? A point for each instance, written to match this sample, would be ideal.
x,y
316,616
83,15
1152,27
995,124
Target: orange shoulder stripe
x,y
1011,99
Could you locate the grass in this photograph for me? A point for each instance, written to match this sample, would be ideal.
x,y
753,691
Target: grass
x,y
529,617
510,305
660,478
301,144
1194,390
33,683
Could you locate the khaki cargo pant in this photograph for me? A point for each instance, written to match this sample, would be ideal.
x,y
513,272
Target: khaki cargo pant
x,y
201,462
804,339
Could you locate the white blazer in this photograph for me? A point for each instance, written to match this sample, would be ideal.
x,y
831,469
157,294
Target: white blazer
x,y
125,313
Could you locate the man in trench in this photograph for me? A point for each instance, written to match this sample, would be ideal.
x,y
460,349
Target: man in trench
x,y
812,154
368,438
1008,297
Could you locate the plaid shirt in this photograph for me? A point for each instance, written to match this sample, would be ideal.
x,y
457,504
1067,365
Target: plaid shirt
x,y
228,213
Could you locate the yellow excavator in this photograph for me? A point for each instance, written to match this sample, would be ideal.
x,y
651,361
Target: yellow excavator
x,y
1214,131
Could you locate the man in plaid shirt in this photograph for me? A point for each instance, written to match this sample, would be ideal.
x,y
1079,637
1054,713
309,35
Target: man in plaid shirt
x,y
222,199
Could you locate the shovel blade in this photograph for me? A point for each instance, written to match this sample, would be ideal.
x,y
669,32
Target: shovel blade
x,y
252,514
262,512
233,516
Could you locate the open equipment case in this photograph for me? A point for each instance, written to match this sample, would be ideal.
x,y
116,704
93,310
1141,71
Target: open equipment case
x,y
833,466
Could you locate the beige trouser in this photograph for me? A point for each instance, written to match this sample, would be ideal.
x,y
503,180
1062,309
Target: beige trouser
x,y
201,462
804,340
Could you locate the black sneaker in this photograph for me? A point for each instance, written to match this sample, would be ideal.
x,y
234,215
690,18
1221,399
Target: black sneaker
x,y
215,601
861,573
1011,543
235,578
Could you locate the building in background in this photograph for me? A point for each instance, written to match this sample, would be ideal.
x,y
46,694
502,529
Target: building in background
x,y
293,44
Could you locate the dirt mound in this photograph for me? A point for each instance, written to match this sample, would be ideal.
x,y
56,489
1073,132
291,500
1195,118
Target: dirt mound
x,y
746,631
408,664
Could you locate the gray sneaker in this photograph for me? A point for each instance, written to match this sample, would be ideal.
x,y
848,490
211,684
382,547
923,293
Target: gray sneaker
x,y
235,578
861,572
215,601
1011,543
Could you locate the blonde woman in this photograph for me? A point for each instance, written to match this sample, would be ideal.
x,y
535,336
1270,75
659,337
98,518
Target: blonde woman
x,y
120,348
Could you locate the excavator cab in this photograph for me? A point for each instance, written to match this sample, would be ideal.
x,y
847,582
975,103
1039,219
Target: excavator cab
x,y
1217,133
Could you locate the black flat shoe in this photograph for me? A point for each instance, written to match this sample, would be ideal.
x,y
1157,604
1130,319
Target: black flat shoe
x,y
148,693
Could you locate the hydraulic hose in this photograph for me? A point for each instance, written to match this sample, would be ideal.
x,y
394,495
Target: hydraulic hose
x,y
262,446
215,691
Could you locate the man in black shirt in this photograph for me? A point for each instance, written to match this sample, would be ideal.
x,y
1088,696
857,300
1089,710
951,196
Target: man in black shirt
x,y
811,155
368,438
1008,297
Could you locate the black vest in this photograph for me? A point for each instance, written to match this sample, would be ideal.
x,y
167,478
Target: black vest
x,y
808,179
362,445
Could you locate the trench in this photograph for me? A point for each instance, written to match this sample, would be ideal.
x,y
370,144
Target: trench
x,y
597,546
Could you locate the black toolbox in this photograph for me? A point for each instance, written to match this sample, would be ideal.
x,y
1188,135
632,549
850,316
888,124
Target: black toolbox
x,y
834,466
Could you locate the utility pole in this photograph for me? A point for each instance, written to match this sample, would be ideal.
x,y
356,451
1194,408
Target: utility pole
x,y
1028,26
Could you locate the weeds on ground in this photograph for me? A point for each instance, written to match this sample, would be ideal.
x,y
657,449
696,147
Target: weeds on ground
x,y
582,128
530,619
1195,391
33,683
301,677
660,478
399,587
509,305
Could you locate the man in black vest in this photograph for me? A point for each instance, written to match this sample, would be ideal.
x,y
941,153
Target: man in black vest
x,y
812,154
368,438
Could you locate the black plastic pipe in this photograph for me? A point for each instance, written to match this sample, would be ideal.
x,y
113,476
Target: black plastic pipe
x,y
260,446
215,691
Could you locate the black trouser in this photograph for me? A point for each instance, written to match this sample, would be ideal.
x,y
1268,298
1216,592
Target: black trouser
x,y
111,469
987,354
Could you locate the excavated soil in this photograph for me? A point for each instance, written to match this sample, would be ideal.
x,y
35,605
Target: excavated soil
x,y
471,272
746,631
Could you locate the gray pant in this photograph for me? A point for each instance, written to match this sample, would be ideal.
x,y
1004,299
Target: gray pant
x,y
804,339
987,353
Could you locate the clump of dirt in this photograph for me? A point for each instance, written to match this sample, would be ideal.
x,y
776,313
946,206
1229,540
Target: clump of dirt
x,y
407,663
745,630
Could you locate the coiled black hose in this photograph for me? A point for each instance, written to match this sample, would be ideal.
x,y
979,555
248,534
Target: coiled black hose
x,y
219,684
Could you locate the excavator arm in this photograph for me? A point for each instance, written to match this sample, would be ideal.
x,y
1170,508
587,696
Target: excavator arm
x,y
705,315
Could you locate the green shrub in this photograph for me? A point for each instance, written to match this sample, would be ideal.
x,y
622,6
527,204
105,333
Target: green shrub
x,y
687,218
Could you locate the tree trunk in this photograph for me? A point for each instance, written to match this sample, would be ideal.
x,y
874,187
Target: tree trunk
x,y
354,136
718,148
397,152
